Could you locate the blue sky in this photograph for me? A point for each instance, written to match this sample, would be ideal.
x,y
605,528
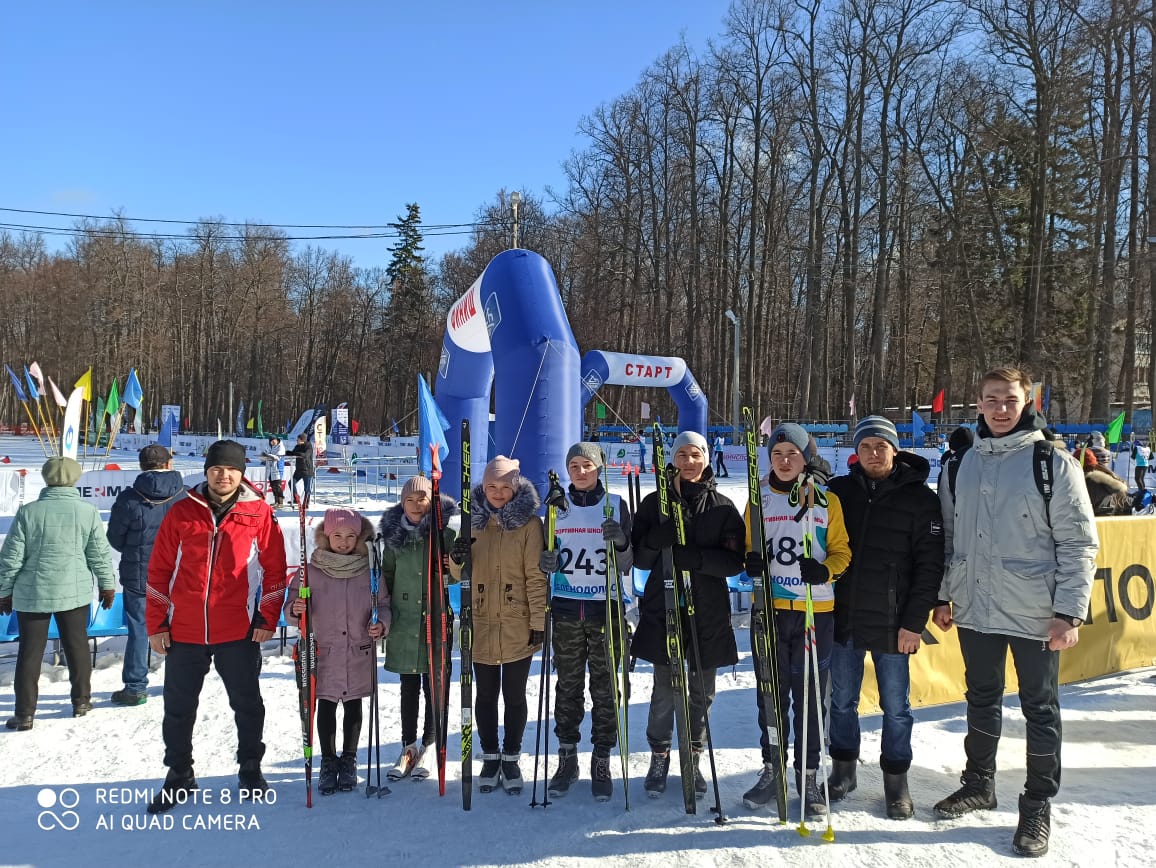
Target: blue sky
x,y
311,112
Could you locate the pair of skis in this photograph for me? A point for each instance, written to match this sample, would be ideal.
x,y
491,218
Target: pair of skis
x,y
616,650
305,660
436,622
671,510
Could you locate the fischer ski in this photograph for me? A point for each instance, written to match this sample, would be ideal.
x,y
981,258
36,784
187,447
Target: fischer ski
x,y
616,643
764,641
466,632
305,660
674,641
435,623
374,745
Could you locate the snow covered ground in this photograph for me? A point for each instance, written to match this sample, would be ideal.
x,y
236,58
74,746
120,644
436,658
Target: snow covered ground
x,y
73,792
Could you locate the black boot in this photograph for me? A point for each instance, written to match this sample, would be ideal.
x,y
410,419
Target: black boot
x,y
250,781
1035,827
178,783
327,777
897,797
347,772
976,794
567,772
842,779
601,785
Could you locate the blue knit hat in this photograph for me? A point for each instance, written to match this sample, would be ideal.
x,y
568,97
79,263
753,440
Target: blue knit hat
x,y
789,432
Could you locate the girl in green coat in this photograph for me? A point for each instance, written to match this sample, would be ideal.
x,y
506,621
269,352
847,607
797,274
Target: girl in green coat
x,y
405,533
54,547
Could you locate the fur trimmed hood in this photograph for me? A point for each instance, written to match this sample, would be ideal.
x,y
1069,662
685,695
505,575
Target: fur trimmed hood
x,y
522,506
394,532
1113,483
363,538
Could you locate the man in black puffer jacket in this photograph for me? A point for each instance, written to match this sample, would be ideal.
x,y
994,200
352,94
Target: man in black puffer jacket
x,y
883,602
132,527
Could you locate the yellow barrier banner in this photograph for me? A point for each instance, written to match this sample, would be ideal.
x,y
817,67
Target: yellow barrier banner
x,y
1120,633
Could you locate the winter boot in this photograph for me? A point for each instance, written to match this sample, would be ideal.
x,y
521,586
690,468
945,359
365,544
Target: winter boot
x,y
976,794
20,723
842,780
127,697
897,797
1035,827
250,781
405,763
811,794
178,784
761,794
699,780
347,772
511,774
327,779
423,765
567,772
80,709
655,783
601,786
491,774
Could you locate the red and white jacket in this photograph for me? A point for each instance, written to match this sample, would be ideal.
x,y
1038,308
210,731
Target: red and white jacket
x,y
205,579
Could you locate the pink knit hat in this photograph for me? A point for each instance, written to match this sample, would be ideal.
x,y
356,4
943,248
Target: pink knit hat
x,y
416,485
342,519
502,469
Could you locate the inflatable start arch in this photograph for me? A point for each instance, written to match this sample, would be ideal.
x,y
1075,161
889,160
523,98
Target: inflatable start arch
x,y
621,369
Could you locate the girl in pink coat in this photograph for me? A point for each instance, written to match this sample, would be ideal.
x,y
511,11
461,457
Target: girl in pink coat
x,y
342,605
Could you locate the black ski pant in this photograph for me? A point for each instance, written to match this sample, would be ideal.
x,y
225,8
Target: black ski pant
x,y
413,686
327,726
1038,672
1141,472
790,627
73,627
510,680
579,643
239,666
720,464
660,722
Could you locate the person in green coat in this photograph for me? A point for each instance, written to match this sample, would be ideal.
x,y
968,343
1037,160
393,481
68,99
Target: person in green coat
x,y
54,548
405,534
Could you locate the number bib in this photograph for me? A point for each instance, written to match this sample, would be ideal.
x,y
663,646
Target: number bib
x,y
785,546
581,573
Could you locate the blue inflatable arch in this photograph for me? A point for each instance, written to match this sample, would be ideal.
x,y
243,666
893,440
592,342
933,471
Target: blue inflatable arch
x,y
621,369
510,329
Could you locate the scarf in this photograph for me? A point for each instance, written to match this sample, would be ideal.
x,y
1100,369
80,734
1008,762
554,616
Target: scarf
x,y
340,566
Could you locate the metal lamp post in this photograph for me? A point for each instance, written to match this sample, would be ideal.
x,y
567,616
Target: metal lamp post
x,y
515,201
735,387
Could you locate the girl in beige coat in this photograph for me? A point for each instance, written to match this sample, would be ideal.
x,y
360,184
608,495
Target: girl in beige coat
x,y
509,609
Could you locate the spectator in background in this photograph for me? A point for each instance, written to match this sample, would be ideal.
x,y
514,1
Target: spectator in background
x,y
1143,455
720,467
305,471
274,458
132,526
1099,447
54,547
1107,491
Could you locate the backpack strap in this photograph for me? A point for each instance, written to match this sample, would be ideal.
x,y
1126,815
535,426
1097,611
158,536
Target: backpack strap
x,y
1043,468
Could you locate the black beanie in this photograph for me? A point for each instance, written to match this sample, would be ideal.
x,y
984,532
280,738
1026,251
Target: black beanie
x,y
225,453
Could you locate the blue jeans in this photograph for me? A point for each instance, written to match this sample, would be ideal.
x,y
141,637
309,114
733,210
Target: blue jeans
x,y
894,679
135,672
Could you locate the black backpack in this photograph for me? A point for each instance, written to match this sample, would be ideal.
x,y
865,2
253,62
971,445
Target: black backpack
x,y
1043,468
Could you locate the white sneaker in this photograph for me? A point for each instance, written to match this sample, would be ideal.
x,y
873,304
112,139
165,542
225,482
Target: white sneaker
x,y
404,766
424,765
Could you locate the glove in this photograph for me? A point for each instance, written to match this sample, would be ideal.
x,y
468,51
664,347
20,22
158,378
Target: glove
x,y
461,549
5,605
537,637
820,469
687,557
548,563
106,598
662,536
813,572
754,564
612,532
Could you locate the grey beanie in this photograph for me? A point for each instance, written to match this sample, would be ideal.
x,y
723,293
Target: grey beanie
x,y
690,438
590,451
789,432
876,426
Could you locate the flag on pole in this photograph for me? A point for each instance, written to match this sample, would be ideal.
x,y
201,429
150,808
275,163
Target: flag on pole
x,y
396,430
239,422
112,405
918,426
85,382
260,420
645,410
16,385
165,437
70,430
432,425
937,403
34,370
32,392
57,395
851,404
249,425
133,395
1115,430
1047,398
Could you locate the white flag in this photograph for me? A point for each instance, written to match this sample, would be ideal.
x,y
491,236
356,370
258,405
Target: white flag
x,y
645,410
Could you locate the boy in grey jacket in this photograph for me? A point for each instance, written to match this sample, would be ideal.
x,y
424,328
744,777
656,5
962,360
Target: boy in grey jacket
x,y
1019,577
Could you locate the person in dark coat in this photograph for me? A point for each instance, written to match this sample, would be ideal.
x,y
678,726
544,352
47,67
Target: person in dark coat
x,y
305,470
715,536
883,602
132,526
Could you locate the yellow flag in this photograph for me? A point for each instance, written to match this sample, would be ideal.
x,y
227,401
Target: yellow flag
x,y
249,425
85,382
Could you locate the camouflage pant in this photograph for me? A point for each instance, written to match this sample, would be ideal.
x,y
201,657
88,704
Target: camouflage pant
x,y
577,644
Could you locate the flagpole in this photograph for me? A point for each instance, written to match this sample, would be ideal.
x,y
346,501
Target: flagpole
x,y
114,430
35,430
47,423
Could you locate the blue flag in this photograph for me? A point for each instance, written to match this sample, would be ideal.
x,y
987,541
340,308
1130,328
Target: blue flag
x,y
32,392
20,396
133,395
239,422
396,430
165,438
432,425
918,427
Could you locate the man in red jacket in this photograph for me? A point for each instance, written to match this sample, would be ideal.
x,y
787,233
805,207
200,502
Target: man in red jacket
x,y
216,583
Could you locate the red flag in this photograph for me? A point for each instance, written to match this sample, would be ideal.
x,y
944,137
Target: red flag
x,y
354,426
937,403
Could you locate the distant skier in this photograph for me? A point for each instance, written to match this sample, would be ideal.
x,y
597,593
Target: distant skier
x,y
720,457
